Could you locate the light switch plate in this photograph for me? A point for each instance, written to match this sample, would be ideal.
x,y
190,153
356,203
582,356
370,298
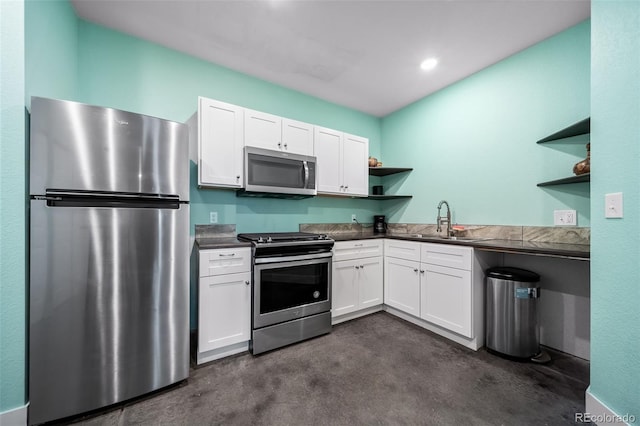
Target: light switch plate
x,y
213,217
613,205
565,217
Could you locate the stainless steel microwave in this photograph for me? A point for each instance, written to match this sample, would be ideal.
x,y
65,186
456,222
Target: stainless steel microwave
x,y
270,173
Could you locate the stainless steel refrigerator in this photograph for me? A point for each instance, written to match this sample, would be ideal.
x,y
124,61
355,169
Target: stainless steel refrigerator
x,y
109,257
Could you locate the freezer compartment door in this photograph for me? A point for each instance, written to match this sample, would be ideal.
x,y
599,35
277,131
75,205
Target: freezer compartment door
x,y
109,305
81,147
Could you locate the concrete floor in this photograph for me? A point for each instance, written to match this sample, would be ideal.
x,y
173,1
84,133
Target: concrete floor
x,y
374,370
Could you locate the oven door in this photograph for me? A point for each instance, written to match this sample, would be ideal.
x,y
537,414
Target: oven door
x,y
290,288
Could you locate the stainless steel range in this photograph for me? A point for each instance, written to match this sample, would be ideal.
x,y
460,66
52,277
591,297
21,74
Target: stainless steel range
x,y
291,288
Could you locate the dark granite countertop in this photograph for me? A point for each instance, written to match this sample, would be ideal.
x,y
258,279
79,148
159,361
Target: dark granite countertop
x,y
219,243
577,251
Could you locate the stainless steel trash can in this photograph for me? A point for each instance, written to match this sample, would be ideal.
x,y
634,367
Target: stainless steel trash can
x,y
512,312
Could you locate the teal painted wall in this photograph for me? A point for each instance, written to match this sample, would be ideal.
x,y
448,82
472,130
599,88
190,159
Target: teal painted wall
x,y
473,143
51,50
124,72
615,250
12,208
39,50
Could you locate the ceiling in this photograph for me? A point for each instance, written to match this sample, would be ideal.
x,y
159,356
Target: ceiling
x,y
361,54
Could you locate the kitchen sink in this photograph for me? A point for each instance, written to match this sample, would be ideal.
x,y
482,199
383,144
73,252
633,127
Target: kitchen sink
x,y
468,239
465,239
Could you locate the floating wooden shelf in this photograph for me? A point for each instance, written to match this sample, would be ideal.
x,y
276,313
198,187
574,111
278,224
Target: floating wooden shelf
x,y
580,128
573,179
388,197
385,171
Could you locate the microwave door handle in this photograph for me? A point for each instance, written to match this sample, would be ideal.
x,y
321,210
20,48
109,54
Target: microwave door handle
x,y
306,173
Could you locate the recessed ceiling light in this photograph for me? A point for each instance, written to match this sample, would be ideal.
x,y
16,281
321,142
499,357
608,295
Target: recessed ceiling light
x,y
429,64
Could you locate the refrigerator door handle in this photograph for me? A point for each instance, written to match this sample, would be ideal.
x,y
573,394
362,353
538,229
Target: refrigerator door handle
x,y
47,198
99,194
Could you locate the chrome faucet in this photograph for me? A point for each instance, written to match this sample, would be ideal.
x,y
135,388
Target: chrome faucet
x,y
441,220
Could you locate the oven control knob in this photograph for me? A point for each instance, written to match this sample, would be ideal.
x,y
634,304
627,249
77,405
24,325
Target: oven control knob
x,y
316,294
260,240
269,240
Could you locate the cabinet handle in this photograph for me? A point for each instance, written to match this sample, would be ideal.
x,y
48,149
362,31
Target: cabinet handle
x,y
285,146
247,282
226,254
357,267
238,177
415,270
422,271
346,187
361,266
279,144
341,186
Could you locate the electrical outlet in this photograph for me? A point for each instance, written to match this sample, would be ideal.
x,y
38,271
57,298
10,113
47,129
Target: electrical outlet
x,y
564,217
353,219
213,217
613,205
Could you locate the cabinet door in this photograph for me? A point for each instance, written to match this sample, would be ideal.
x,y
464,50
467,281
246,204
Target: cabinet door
x,y
297,137
446,298
402,285
344,288
328,151
370,279
221,140
262,130
355,165
224,310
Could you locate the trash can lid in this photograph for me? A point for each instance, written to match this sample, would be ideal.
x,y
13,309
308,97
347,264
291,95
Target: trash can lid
x,y
513,274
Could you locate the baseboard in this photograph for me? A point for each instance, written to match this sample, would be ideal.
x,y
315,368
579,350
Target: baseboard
x,y
473,344
14,417
202,357
357,314
597,412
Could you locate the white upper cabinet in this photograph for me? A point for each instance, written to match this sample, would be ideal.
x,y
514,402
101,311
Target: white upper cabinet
x,y
355,154
297,137
262,130
219,129
342,162
328,151
269,131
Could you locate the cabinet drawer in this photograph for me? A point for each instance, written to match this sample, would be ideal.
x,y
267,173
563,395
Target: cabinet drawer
x,y
447,255
225,261
359,249
407,250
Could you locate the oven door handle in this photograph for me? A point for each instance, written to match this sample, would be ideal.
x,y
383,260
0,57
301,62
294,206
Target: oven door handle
x,y
263,260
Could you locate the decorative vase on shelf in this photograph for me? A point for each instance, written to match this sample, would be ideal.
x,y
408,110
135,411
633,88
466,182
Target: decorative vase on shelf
x,y
373,161
584,166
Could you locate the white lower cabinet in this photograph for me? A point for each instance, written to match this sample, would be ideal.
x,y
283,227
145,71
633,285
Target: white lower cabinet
x,y
445,298
224,304
402,285
357,283
446,288
439,286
